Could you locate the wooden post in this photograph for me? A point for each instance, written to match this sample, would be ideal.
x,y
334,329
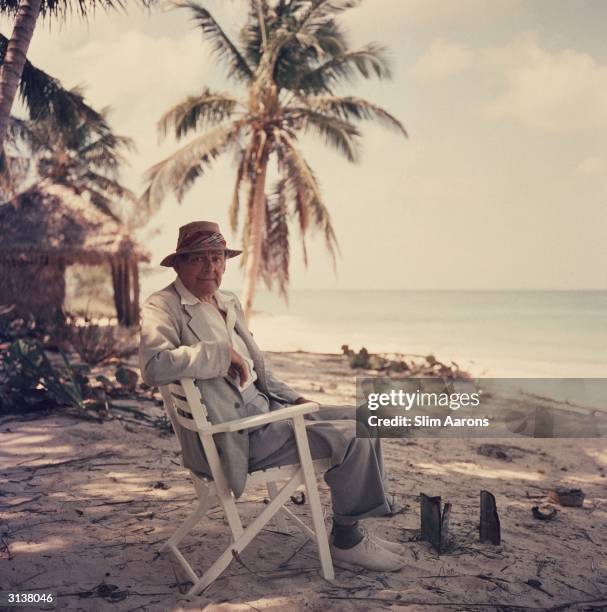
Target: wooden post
x,y
489,527
120,288
434,521
116,285
135,302
126,295
114,272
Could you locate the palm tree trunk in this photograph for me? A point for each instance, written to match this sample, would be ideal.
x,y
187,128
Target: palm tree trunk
x,y
14,60
256,232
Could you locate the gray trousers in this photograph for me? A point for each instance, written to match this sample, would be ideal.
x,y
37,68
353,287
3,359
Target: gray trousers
x,y
356,477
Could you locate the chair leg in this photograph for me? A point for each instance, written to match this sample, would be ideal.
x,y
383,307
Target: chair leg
x,y
281,523
187,525
245,537
309,476
231,514
194,577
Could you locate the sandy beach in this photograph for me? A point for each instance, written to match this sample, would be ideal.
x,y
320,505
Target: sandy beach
x,y
85,507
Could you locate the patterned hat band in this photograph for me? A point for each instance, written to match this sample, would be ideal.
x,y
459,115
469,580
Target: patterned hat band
x,y
196,237
202,241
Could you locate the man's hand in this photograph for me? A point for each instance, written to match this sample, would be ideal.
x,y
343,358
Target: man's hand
x,y
238,368
301,400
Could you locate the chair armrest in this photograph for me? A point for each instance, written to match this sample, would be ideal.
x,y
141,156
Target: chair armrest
x,y
263,419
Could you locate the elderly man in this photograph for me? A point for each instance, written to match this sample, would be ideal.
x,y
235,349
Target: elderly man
x,y
191,329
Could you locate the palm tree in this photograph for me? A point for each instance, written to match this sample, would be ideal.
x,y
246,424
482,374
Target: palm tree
x,y
45,97
26,13
48,101
86,158
291,57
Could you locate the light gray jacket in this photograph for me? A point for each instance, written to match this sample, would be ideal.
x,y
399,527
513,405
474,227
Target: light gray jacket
x,y
177,342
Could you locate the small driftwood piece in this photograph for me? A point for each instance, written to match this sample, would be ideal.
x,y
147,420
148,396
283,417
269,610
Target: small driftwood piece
x,y
567,497
543,513
490,521
435,521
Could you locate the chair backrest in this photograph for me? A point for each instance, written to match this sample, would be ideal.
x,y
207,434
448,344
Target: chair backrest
x,y
184,406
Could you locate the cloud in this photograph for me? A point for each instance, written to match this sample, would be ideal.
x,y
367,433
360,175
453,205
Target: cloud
x,y
442,59
423,11
429,12
592,166
555,91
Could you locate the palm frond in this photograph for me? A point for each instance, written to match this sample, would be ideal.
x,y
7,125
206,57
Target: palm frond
x,y
312,34
106,152
274,267
242,177
45,97
112,189
330,39
351,108
302,213
300,55
303,182
177,173
366,61
197,112
300,50
320,12
338,133
107,141
16,170
109,196
102,203
293,43
223,47
20,132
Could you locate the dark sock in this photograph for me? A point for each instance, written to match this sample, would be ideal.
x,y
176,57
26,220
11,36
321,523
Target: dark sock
x,y
346,536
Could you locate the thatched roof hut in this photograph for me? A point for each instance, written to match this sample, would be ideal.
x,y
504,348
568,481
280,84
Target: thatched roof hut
x,y
49,227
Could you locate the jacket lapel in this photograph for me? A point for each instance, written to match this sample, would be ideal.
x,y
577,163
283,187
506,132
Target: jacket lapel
x,y
197,322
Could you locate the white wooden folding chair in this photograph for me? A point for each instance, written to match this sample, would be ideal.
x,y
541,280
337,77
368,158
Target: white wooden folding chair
x,y
184,406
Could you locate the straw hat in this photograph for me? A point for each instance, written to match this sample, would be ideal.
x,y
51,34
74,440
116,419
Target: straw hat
x,y
197,237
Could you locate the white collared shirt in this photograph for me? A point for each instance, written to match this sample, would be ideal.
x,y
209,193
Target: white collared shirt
x,y
222,330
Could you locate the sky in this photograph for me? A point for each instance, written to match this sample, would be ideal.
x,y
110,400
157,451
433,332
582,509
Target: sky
x,y
502,183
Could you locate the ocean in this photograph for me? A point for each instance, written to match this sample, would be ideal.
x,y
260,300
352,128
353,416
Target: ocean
x,y
553,334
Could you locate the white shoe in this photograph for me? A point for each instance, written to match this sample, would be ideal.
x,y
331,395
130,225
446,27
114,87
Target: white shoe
x,y
393,547
367,554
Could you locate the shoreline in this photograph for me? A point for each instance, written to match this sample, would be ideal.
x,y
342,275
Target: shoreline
x,y
486,368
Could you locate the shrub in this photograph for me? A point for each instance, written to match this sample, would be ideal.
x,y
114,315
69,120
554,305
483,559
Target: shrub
x,y
28,379
96,342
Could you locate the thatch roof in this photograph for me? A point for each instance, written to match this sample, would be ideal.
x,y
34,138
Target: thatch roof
x,y
50,222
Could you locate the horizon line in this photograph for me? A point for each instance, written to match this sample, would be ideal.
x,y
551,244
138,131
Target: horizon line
x,y
550,290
